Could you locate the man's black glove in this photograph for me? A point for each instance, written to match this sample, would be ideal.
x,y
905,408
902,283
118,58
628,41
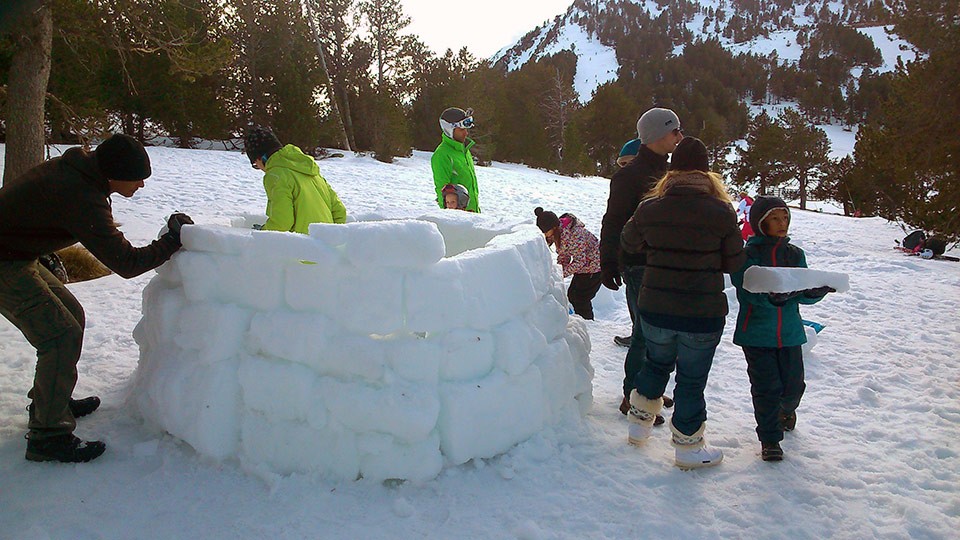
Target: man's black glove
x,y
780,298
610,277
818,292
176,222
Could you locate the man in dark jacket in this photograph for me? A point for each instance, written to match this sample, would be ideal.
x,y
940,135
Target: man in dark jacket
x,y
659,133
54,205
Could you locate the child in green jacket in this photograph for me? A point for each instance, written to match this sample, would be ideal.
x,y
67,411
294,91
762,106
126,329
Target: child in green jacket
x,y
769,328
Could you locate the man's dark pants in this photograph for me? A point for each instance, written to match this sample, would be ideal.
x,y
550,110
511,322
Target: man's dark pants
x,y
633,280
52,320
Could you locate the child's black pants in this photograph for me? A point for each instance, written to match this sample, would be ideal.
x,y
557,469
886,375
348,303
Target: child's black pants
x,y
776,383
583,287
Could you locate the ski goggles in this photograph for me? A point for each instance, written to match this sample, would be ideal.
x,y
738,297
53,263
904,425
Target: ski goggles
x,y
466,123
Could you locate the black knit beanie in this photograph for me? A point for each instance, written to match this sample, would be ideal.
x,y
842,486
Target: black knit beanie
x,y
762,206
690,155
121,157
259,142
546,219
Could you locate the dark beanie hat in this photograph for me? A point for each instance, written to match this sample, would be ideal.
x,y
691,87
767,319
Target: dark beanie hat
x,y
546,219
121,157
260,141
690,155
762,206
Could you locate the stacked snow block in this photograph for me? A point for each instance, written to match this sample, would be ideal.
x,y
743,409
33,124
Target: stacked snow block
x,y
360,350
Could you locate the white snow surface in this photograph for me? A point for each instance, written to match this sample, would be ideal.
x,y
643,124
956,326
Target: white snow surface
x,y
876,453
766,279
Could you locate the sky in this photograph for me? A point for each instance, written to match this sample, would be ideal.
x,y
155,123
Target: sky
x,y
875,453
484,27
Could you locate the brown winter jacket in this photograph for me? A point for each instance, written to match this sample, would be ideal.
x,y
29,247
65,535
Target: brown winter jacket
x,y
64,201
691,239
627,188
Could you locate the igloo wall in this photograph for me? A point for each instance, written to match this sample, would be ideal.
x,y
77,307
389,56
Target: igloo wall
x,y
361,350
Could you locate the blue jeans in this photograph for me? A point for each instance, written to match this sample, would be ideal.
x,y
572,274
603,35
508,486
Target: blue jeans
x,y
633,280
692,355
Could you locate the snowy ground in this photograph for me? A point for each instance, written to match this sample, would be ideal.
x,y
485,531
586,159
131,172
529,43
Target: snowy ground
x,y
876,453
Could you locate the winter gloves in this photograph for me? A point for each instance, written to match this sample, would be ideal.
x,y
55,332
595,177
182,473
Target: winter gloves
x,y
779,299
175,223
610,277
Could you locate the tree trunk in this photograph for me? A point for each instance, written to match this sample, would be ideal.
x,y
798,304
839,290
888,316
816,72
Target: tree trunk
x,y
331,91
26,93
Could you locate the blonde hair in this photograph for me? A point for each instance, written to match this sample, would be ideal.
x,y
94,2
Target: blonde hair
x,y
714,185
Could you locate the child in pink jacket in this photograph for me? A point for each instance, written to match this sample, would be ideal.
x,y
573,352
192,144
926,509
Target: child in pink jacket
x,y
578,252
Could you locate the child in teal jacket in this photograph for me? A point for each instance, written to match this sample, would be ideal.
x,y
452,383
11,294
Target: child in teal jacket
x,y
769,328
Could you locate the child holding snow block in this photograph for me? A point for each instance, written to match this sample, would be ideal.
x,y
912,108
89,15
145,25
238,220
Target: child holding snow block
x,y
769,328
578,252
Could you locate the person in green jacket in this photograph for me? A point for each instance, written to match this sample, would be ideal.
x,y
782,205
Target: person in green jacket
x,y
452,162
296,193
769,328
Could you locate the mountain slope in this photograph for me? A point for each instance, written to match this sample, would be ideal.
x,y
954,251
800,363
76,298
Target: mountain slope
x,y
609,36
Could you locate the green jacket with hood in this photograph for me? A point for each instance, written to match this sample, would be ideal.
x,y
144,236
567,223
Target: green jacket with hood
x,y
452,163
296,193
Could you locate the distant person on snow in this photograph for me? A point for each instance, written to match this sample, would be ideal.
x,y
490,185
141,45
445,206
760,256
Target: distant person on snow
x,y
769,328
688,230
54,205
296,193
455,197
452,162
659,133
578,252
743,213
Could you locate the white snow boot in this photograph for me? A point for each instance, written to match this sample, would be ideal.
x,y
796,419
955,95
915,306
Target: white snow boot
x,y
642,415
692,451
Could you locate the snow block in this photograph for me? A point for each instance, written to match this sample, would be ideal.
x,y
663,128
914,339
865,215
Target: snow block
x,y
766,279
382,457
286,447
292,247
435,299
361,299
516,345
281,390
193,401
407,412
393,244
465,354
481,419
415,359
496,285
213,239
215,331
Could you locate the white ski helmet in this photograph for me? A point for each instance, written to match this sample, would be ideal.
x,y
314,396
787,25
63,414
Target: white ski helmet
x,y
455,117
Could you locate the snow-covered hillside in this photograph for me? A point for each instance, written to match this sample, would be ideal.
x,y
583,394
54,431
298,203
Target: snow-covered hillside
x,y
576,31
876,452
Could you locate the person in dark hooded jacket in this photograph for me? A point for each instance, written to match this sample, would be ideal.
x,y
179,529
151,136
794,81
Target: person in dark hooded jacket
x,y
52,206
769,328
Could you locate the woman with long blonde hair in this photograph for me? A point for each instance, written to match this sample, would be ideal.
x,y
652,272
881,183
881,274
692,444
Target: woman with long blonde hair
x,y
688,230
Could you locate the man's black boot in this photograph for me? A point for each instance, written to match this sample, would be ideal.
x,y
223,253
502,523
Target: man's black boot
x,y
64,448
79,407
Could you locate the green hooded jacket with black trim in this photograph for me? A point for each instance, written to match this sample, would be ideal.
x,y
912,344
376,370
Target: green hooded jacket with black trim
x,y
452,163
296,193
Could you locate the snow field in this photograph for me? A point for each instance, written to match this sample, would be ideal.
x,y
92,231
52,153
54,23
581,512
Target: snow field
x,y
360,350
